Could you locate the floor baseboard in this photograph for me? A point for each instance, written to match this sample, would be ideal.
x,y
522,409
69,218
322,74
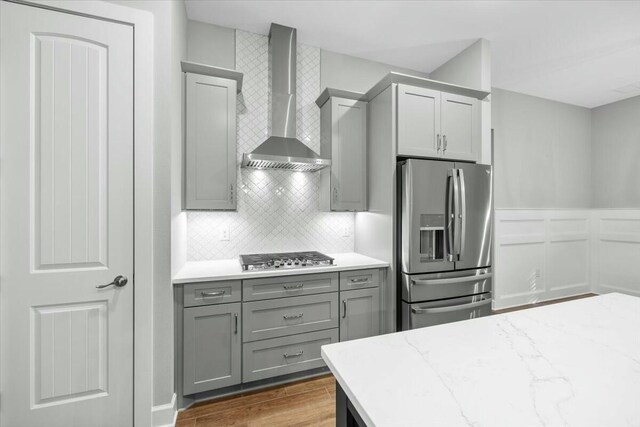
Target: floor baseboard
x,y
164,415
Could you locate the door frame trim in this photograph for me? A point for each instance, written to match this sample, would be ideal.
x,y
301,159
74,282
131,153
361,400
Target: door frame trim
x,y
143,25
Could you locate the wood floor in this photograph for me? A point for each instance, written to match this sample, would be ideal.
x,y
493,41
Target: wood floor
x,y
303,403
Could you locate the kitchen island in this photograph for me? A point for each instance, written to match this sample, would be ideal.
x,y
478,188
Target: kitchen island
x,y
574,364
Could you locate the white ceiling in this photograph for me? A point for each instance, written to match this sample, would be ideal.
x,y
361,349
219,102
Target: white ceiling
x,y
581,52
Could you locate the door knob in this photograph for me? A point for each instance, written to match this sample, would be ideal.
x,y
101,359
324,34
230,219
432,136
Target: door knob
x,y
118,282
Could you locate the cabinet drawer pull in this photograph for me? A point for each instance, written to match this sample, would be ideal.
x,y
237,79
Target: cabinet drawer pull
x,y
292,316
212,294
287,355
363,280
296,286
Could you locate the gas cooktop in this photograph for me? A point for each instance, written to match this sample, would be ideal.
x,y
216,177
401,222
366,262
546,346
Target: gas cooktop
x,y
285,260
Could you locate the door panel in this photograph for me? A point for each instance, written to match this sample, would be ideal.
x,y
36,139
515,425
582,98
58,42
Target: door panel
x,y
475,243
66,215
211,142
418,121
460,127
359,314
425,242
211,347
348,167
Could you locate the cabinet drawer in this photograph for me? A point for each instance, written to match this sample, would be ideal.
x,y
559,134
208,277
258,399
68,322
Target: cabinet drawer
x,y
206,293
280,356
287,286
359,279
288,316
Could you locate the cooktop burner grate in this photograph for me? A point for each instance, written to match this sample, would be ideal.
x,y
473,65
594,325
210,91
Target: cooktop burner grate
x,y
285,260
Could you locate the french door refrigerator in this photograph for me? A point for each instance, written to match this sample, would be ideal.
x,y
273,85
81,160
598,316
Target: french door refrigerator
x,y
444,248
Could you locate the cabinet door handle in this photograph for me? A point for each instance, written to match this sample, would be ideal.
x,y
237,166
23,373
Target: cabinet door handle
x,y
212,294
438,144
296,286
344,308
235,321
444,143
335,194
288,355
292,316
231,192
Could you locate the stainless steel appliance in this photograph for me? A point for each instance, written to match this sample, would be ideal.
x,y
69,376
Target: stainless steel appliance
x,y
444,248
282,150
284,260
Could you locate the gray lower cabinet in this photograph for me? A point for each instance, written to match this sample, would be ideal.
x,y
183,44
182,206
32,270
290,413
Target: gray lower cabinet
x,y
210,148
289,286
359,279
288,316
285,355
359,313
211,347
235,332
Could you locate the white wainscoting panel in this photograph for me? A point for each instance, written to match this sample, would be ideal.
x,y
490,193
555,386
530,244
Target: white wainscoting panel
x,y
540,255
616,253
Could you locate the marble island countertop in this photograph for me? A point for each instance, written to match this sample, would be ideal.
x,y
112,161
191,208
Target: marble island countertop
x,y
569,364
230,269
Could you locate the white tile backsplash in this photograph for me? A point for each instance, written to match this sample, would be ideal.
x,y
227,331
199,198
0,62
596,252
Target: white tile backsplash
x,y
277,210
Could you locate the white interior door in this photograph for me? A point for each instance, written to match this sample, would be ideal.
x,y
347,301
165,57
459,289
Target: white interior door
x,y
66,219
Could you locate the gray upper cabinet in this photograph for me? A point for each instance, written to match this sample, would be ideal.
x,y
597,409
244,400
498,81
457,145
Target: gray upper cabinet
x,y
212,347
359,314
437,124
418,121
460,127
210,148
344,141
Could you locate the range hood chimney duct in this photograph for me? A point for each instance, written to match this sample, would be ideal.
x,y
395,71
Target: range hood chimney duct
x,y
282,150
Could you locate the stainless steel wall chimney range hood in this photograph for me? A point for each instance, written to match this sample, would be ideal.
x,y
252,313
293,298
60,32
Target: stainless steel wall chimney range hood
x,y
282,150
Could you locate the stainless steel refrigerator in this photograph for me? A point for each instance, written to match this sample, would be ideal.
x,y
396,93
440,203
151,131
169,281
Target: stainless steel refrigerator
x,y
444,247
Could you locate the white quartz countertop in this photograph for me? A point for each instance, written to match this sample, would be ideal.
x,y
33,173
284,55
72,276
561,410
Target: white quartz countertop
x,y
575,363
228,269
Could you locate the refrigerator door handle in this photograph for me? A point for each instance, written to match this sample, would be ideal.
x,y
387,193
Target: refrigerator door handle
x,y
456,214
462,214
435,310
450,219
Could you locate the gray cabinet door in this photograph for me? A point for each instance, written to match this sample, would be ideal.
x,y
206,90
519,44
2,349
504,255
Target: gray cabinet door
x,y
210,149
349,155
418,115
359,314
212,345
460,127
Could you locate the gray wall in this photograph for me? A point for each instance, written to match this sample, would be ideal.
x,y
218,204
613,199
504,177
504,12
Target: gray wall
x,y
356,74
542,152
211,44
616,154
